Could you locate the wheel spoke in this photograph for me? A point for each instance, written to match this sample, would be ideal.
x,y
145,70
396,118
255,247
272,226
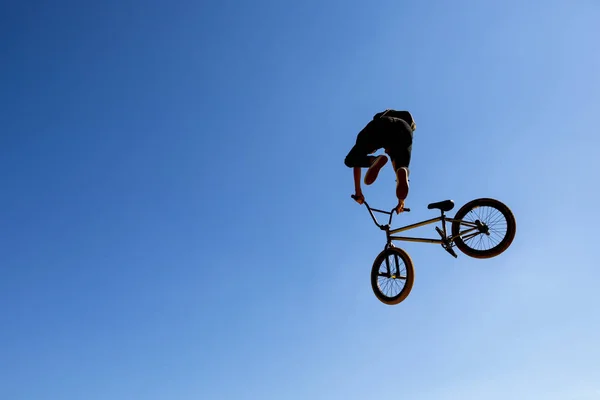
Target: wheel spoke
x,y
389,284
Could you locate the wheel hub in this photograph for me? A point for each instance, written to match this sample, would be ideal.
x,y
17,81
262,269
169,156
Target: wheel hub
x,y
483,228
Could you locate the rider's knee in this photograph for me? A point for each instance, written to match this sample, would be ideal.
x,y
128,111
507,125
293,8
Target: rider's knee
x,y
348,162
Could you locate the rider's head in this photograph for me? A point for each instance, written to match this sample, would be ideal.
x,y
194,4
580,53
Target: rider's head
x,y
411,121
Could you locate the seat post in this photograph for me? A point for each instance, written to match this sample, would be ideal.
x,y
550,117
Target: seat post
x,y
443,222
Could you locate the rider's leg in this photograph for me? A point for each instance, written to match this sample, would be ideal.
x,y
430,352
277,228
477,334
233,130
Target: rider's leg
x,y
402,184
373,171
361,153
357,157
399,150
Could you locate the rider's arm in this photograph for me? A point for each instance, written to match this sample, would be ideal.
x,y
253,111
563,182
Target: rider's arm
x,y
357,188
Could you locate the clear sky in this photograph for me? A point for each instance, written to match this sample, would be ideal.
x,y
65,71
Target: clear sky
x,y
175,213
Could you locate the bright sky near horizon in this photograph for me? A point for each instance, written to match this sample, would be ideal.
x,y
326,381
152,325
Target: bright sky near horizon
x,y
175,213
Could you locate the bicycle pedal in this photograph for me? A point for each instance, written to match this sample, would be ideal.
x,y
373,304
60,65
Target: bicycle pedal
x,y
452,253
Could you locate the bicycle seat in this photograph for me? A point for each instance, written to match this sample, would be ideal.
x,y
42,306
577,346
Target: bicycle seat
x,y
445,205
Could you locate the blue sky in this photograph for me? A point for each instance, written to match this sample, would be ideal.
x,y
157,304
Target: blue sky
x,y
176,220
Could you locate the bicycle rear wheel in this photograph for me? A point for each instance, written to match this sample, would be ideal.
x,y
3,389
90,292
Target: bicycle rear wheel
x,y
392,276
488,228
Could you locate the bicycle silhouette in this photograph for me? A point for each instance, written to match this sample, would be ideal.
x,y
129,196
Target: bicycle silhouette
x,y
466,234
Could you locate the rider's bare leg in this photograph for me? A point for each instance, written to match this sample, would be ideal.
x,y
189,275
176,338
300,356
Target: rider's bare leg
x,y
402,185
373,171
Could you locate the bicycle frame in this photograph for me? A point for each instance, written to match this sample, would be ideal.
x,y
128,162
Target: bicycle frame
x,y
445,240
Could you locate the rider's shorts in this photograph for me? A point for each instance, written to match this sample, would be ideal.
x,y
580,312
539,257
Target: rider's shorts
x,y
397,139
392,134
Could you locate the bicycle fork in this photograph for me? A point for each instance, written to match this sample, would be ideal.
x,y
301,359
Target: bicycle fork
x,y
395,274
390,271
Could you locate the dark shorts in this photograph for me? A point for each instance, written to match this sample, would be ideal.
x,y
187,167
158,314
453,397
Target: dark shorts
x,y
392,134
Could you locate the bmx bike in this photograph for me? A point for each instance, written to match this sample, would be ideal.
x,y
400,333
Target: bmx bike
x,y
482,228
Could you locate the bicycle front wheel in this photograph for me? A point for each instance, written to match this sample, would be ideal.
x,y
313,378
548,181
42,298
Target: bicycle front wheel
x,y
392,276
483,228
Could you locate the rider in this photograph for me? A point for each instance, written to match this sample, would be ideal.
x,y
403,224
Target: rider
x,y
393,131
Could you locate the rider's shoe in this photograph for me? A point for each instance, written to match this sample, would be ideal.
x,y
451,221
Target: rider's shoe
x,y
373,171
402,183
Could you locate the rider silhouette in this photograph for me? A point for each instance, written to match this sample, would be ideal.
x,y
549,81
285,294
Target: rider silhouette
x,y
392,131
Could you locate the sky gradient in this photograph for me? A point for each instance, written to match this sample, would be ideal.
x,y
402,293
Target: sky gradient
x,y
176,220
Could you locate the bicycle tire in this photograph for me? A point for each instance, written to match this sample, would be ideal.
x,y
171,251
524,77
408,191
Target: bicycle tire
x,y
511,228
409,281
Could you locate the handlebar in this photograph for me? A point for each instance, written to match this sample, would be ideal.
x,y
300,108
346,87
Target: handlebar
x,y
390,213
